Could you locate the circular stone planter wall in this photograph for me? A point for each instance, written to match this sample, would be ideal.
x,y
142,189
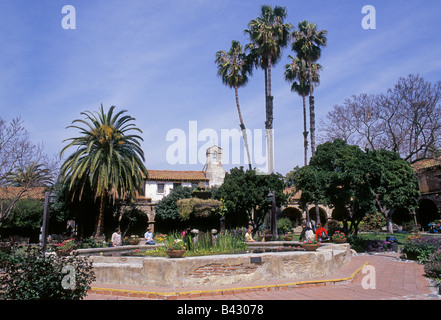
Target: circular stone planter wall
x,y
220,269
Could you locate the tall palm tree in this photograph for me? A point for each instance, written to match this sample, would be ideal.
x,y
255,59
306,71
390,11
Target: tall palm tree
x,y
268,34
108,158
297,72
234,67
307,44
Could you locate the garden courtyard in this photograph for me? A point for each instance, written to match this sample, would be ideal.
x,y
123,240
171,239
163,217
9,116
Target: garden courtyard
x,y
359,219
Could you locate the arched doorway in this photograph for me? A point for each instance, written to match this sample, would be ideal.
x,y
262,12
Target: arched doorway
x,y
322,213
294,214
427,212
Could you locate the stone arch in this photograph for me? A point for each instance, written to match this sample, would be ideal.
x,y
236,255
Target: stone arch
x,y
427,212
323,214
294,214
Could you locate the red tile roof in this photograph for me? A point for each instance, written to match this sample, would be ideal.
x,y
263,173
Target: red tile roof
x,y
426,164
168,175
33,193
293,194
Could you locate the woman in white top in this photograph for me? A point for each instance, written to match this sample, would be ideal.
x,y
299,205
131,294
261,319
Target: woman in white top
x,y
116,238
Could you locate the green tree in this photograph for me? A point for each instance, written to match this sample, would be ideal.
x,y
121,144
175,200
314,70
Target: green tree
x,y
245,196
234,67
358,183
297,73
167,209
108,158
307,44
268,34
393,182
345,167
310,181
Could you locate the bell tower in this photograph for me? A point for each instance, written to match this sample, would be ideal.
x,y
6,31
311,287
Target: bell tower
x,y
214,170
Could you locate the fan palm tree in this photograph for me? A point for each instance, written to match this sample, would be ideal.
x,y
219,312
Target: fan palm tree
x,y
234,67
307,44
297,72
33,175
108,158
268,34
24,180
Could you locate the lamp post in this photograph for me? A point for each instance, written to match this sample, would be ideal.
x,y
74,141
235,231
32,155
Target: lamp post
x,y
48,198
273,219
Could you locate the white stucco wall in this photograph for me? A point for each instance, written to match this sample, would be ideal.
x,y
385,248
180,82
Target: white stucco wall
x,y
151,189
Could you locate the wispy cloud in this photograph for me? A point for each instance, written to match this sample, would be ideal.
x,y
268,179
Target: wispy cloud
x,y
156,59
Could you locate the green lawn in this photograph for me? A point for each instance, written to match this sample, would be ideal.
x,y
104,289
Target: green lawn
x,y
401,237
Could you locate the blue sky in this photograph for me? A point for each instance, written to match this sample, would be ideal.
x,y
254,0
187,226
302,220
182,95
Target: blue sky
x,y
156,60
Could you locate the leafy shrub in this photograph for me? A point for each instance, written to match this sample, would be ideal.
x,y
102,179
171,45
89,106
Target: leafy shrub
x,y
362,245
433,266
91,242
373,222
421,248
197,207
32,275
167,208
410,226
332,226
358,243
378,245
284,225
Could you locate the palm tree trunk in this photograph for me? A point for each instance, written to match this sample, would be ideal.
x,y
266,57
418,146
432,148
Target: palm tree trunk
x,y
99,231
305,132
242,127
311,110
312,124
269,122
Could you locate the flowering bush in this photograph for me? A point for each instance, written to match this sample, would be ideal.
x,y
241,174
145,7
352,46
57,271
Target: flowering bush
x,y
223,208
66,246
378,245
433,266
311,241
373,222
160,238
34,275
338,235
132,240
177,244
421,248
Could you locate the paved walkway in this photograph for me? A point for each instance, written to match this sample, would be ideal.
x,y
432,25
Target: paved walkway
x,y
366,277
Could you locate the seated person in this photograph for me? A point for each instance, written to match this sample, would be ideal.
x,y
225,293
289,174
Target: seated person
x,y
248,236
321,233
149,237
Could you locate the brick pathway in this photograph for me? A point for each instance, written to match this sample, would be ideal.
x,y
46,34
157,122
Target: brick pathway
x,y
394,280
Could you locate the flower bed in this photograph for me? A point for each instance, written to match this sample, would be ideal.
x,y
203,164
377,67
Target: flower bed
x,y
433,266
421,248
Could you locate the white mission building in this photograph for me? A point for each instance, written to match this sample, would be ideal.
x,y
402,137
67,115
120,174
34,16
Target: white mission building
x,y
160,183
